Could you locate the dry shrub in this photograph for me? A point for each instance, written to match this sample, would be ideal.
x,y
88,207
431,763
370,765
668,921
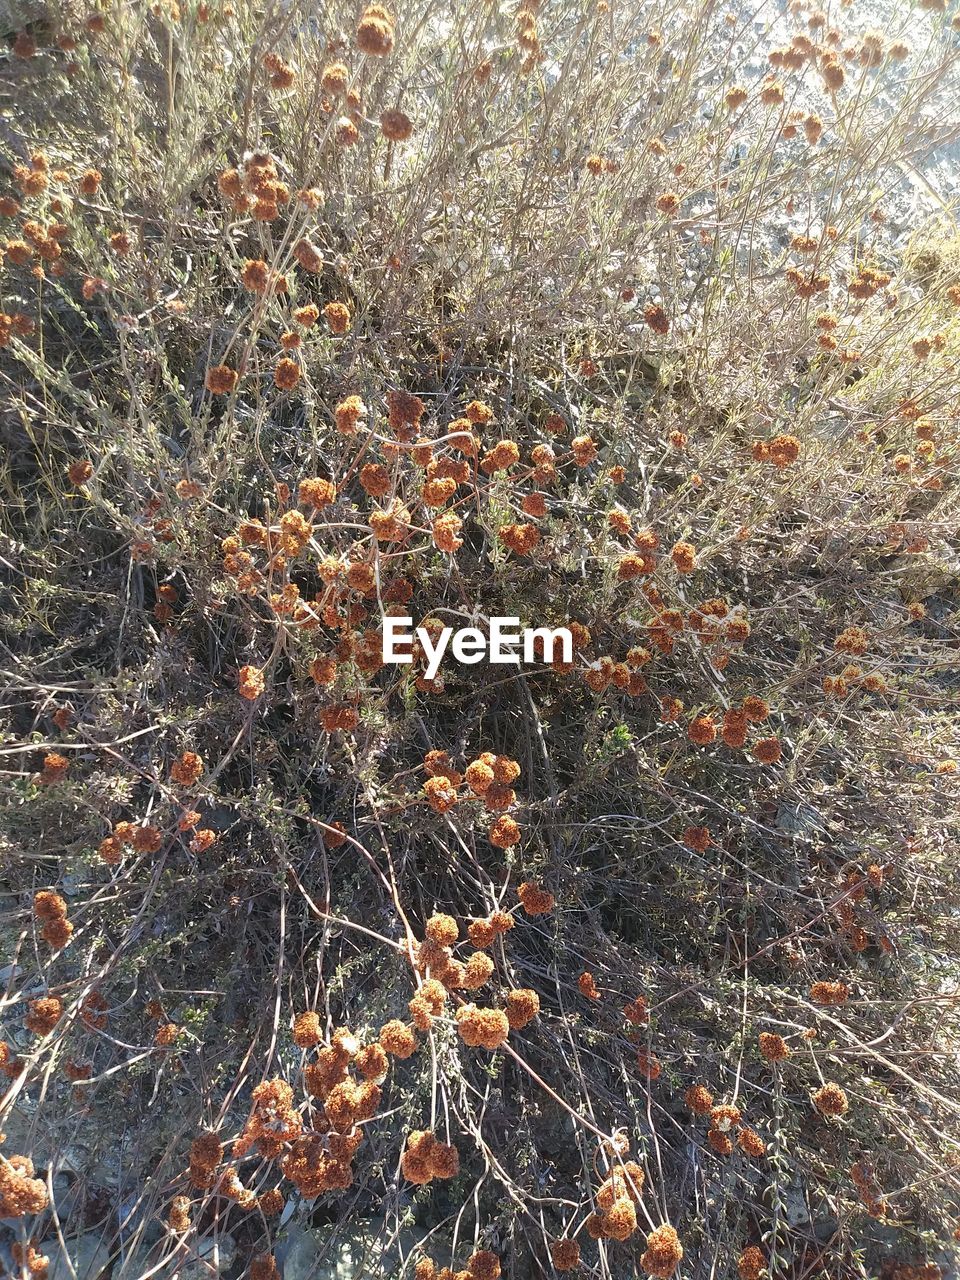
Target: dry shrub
x,y
569,313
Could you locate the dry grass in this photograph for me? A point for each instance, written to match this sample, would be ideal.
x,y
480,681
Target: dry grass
x,y
721,322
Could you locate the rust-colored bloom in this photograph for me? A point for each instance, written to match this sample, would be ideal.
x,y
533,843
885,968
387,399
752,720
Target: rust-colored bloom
x,y
702,730
89,183
306,1030
721,1143
220,380
337,315
684,557
187,770
751,1264
588,986
523,1005
308,256
396,125
483,1028
375,31
55,768
656,318
79,472
286,375
830,1100
565,1254
251,682
535,900
316,492
697,838
699,1099
773,1047
768,750
397,1039
44,1014
504,832
750,1143
663,1253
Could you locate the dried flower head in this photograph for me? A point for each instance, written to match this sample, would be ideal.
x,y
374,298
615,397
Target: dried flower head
x,y
663,1253
484,1028
535,900
830,1100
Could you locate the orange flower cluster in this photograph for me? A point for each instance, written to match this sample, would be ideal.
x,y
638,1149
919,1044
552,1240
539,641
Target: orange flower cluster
x,y
143,839
396,125
588,986
286,374
206,1152
535,900
397,1039
257,277
697,838
348,414
663,1253
282,75
433,959
482,1028
684,557
318,1163
220,379
852,640
93,1011
45,1012
337,315
829,993
773,1047
428,1003
649,1065
20,1192
55,767
33,1263
425,1158
187,770
482,933
51,911
565,1254
484,1264
702,730
637,1012
830,1100
178,1217
699,1099
255,187
656,318
488,778
782,451
751,1264
616,1199
724,1121
520,538
501,457
504,832
22,326
864,1179
522,1007
264,1267
306,1030
375,31
273,1120
308,256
